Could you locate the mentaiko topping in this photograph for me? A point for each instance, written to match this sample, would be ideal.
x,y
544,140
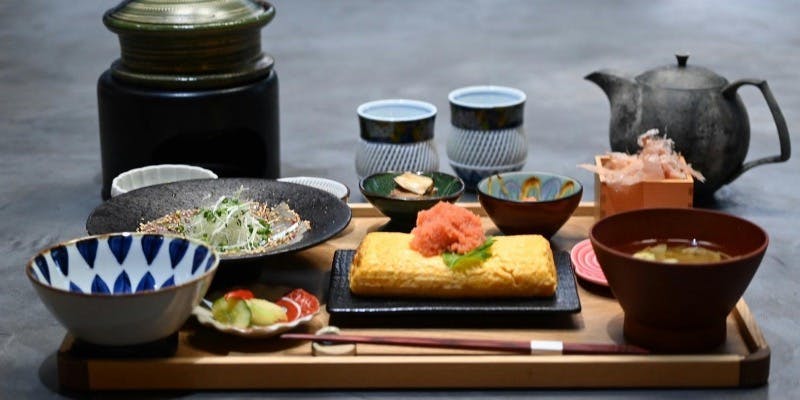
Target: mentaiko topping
x,y
446,227
655,160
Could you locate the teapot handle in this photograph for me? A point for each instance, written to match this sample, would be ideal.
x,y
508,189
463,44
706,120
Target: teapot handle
x,y
780,122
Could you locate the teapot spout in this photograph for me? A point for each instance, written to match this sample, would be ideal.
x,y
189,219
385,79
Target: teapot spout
x,y
613,83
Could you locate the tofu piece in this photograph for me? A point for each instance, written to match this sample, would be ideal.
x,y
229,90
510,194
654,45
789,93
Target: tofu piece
x,y
414,183
385,265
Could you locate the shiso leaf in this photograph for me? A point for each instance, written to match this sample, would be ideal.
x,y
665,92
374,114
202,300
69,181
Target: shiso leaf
x,y
474,258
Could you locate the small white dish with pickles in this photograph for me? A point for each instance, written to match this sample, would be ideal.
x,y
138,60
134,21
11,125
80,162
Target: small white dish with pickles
x,y
242,313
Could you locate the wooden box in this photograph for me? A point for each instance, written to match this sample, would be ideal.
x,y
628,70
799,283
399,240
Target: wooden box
x,y
612,199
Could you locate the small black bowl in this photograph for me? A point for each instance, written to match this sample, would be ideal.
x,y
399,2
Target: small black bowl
x,y
376,188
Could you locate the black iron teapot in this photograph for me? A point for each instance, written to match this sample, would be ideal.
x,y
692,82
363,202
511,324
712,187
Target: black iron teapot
x,y
696,108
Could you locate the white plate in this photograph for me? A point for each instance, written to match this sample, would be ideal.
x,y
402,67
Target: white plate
x,y
203,315
331,186
157,174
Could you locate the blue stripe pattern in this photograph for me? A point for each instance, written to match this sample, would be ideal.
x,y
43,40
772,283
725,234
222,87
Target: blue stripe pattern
x,y
169,282
199,255
177,249
88,250
119,246
122,284
147,283
99,286
74,288
44,269
210,262
150,246
61,258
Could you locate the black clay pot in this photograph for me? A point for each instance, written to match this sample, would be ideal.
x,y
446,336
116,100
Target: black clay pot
x,y
192,86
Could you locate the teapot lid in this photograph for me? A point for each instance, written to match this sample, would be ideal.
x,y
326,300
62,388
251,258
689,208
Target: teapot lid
x,y
682,76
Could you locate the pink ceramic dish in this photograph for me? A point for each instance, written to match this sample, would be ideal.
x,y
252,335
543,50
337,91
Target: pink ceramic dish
x,y
585,262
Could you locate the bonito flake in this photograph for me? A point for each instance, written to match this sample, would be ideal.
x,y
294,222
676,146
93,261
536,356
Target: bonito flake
x,y
656,160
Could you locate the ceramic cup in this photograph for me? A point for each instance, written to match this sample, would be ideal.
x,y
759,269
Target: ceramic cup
x,y
396,135
487,135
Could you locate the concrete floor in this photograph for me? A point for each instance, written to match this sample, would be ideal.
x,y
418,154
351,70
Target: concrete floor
x,y
332,56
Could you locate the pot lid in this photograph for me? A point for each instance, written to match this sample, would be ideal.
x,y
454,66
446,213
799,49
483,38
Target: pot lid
x,y
161,16
682,76
190,44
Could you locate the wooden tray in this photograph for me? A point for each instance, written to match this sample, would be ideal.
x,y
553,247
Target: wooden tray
x,y
198,358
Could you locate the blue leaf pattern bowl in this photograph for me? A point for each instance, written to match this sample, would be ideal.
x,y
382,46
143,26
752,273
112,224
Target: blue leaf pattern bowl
x,y
519,186
125,288
529,202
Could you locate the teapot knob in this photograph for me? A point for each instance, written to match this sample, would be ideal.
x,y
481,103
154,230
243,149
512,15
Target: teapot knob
x,y
682,58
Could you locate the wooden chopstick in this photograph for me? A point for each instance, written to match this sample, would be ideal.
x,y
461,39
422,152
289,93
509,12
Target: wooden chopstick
x,y
512,346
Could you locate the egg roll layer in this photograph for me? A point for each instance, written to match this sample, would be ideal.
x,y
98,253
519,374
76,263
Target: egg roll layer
x,y
385,265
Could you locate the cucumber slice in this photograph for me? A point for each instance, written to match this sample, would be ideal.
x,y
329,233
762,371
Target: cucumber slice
x,y
264,312
220,311
232,312
241,315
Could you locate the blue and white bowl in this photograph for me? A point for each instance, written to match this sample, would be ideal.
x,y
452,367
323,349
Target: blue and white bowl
x,y
123,288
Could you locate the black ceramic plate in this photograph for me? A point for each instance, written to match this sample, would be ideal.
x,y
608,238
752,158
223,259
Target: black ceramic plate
x,y
327,214
342,303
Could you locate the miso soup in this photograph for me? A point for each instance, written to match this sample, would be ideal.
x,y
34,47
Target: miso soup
x,y
676,251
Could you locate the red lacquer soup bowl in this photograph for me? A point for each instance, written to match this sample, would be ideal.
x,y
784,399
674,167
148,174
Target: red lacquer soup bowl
x,y
677,306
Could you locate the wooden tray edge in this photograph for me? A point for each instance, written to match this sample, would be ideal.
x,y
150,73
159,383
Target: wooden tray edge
x,y
73,372
418,372
753,368
727,370
366,210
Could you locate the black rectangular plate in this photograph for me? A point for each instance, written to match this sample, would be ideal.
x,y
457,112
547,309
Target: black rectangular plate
x,y
343,306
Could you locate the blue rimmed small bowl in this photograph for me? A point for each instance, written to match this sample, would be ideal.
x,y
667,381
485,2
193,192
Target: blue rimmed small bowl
x,y
396,135
124,288
529,202
487,136
396,121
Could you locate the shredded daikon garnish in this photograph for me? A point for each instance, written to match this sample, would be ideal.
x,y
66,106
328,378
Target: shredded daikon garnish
x,y
234,226
229,224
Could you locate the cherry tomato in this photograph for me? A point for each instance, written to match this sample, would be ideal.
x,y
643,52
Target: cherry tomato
x,y
293,310
307,301
241,294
